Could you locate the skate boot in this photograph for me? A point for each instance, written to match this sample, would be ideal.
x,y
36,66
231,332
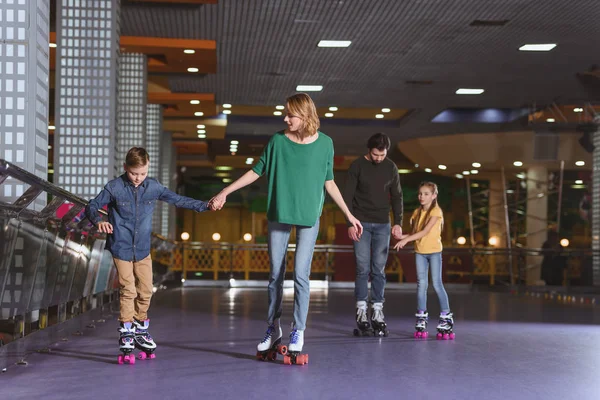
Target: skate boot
x,y
378,321
268,348
421,325
126,343
445,327
293,355
143,340
362,320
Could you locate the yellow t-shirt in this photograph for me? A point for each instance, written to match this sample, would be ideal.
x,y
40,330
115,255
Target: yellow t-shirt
x,y
432,242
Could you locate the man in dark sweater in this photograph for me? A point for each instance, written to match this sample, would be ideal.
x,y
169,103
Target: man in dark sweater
x,y
373,182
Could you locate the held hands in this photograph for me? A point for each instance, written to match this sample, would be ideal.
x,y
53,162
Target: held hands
x,y
401,243
356,230
105,227
397,232
217,202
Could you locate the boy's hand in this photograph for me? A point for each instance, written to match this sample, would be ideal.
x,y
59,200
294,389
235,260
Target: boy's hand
x,y
217,202
105,227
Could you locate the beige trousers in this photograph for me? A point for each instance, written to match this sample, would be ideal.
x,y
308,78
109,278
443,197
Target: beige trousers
x,y
135,279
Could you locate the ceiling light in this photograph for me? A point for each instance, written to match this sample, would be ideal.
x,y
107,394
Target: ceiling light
x,y
578,109
226,105
235,142
459,176
469,91
277,113
580,163
334,43
385,110
227,112
279,107
518,164
200,126
466,173
538,47
579,182
249,160
194,101
198,113
189,51
225,180
329,115
201,136
442,167
223,168
333,108
201,131
404,171
521,176
427,169
51,127
309,88
474,172
476,165
379,116
550,120
52,45
192,69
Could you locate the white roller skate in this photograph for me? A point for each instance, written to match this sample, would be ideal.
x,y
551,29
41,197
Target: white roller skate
x,y
421,325
268,348
445,327
378,321
362,320
293,355
143,340
126,343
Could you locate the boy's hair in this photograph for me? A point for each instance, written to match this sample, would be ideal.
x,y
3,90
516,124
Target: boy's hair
x,y
379,141
137,157
302,106
415,222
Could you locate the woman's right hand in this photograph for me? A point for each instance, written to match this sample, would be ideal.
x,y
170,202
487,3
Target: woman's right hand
x,y
217,202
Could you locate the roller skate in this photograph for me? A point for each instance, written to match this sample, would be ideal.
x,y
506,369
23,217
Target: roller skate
x,y
445,327
293,355
362,320
378,321
421,325
268,348
143,340
126,343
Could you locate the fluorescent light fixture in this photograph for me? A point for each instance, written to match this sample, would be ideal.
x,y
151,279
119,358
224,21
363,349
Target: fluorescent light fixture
x,y
538,47
580,163
579,182
51,127
459,176
279,107
427,169
52,44
329,115
234,142
198,113
466,173
227,112
278,113
189,51
223,168
194,101
550,120
518,163
334,43
226,105
474,172
385,110
442,167
201,136
333,108
200,126
476,165
201,131
404,171
521,176
469,91
379,116
309,88
192,69
578,109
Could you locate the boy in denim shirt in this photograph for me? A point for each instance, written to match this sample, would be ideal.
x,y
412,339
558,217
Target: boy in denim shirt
x,y
131,199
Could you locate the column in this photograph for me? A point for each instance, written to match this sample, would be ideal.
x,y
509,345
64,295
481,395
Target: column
x,y
167,159
87,34
153,145
24,62
596,204
497,220
537,218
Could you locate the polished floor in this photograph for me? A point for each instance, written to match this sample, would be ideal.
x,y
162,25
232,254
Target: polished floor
x,y
506,348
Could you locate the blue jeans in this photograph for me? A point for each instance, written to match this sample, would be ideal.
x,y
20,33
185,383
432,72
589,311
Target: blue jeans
x,y
424,263
279,236
371,253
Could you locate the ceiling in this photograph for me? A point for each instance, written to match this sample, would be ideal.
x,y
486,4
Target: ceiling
x,y
410,56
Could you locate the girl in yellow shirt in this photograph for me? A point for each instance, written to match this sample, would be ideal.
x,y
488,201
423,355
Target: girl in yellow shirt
x,y
426,223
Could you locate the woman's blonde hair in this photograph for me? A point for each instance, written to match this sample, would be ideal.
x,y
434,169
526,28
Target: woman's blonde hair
x,y
301,105
416,227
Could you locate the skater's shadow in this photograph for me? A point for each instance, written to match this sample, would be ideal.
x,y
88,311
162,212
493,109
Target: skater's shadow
x,y
97,357
241,356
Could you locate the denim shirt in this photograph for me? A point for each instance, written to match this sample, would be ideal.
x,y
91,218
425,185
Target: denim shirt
x,y
130,214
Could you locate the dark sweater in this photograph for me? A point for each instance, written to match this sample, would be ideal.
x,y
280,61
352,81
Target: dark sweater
x,y
370,188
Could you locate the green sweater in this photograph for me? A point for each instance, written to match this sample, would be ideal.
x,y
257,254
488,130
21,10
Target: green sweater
x,y
296,175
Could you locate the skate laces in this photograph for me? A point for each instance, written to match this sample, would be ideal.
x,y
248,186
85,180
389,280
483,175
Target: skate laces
x,y
378,315
268,334
361,315
294,337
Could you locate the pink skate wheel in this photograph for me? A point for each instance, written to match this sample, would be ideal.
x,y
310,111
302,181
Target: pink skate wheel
x,y
152,356
120,360
142,356
417,335
439,336
130,358
452,336
424,335
446,336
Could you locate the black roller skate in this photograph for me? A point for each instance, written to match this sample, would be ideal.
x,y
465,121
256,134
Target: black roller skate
x,y
126,343
445,327
268,348
421,325
378,321
143,340
362,320
293,355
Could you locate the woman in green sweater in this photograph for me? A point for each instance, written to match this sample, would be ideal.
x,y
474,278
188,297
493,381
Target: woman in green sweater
x,y
298,163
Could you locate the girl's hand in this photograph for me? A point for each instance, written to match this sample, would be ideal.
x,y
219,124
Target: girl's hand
x,y
400,244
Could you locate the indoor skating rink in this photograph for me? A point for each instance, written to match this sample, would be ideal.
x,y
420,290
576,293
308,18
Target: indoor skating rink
x,y
506,347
